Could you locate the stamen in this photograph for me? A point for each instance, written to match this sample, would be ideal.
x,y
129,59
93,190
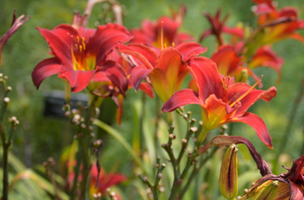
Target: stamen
x,y
80,48
162,36
173,44
76,46
83,43
240,98
77,38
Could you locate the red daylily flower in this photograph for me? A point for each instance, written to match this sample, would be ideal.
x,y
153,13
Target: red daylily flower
x,y
218,28
222,101
80,55
165,69
277,24
16,24
107,89
104,181
162,32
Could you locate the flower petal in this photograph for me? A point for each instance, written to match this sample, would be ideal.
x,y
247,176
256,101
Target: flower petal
x,y
78,80
160,84
258,125
116,74
145,54
190,49
208,80
137,75
218,112
237,91
105,39
45,69
181,98
170,62
226,59
60,40
146,88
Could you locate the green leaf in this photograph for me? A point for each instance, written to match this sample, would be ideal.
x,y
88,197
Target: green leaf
x,y
114,133
44,184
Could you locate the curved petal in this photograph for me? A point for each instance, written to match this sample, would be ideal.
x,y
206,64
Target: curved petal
x,y
258,125
141,57
296,192
218,112
140,52
181,98
226,59
190,49
78,80
241,92
116,74
137,75
171,64
146,88
160,84
60,40
45,69
105,39
208,80
267,58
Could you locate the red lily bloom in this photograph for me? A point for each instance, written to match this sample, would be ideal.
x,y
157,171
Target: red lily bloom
x,y
166,69
104,181
107,89
222,101
16,24
277,24
80,55
162,32
218,28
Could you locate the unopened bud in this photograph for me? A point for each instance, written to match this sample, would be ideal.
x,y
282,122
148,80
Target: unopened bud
x,y
228,182
242,76
6,99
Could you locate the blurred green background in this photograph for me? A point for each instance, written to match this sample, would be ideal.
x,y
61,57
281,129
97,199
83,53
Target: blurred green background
x,y
39,137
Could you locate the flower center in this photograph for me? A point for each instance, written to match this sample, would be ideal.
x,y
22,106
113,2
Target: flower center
x,y
81,60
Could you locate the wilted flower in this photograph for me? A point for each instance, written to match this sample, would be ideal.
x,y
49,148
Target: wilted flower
x,y
16,24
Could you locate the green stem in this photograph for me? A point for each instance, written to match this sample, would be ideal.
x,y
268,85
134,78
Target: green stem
x,y
291,118
85,141
177,184
194,172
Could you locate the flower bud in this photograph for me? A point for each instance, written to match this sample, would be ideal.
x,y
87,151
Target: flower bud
x,y
267,190
228,182
242,76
